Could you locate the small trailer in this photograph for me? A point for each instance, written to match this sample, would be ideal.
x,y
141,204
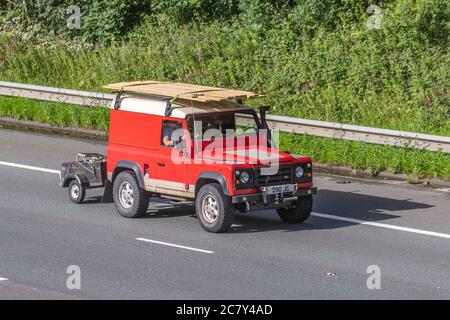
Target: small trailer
x,y
88,171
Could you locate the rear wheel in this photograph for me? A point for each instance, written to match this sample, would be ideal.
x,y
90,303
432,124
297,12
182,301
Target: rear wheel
x,y
297,212
215,212
130,200
76,192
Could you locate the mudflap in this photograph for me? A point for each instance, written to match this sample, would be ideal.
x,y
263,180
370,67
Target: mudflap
x,y
107,193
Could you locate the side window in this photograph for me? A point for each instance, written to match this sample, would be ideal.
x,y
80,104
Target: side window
x,y
168,127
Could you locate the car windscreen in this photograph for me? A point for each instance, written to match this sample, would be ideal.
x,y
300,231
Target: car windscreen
x,y
237,123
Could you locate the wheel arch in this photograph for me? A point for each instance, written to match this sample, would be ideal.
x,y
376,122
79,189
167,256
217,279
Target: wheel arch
x,y
207,177
126,165
79,177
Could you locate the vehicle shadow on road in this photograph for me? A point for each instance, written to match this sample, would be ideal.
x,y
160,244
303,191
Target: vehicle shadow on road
x,y
363,206
331,202
159,208
92,199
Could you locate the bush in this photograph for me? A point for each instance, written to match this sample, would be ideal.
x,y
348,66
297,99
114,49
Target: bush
x,y
185,11
101,20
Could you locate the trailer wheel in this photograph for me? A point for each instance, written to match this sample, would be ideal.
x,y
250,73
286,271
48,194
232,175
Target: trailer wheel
x,y
130,200
76,192
298,211
215,212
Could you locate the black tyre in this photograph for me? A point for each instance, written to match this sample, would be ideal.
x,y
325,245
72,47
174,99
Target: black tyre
x,y
297,212
130,200
215,212
76,192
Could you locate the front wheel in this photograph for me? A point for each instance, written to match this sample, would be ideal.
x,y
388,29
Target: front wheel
x,y
215,212
298,211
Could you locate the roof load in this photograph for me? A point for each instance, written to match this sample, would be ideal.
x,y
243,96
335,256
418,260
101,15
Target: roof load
x,y
184,91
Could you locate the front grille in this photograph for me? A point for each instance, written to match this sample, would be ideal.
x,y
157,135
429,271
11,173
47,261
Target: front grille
x,y
284,175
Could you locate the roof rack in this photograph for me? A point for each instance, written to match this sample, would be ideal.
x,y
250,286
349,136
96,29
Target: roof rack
x,y
185,91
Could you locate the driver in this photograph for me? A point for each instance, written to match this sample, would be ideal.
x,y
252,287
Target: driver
x,y
168,130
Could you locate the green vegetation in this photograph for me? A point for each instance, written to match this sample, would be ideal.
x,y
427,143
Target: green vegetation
x,y
313,59
375,158
57,114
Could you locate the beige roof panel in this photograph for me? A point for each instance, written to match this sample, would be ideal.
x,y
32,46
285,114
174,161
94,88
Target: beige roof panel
x,y
182,91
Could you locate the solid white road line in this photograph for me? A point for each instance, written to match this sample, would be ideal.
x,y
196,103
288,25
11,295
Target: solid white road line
x,y
174,245
3,279
382,225
22,166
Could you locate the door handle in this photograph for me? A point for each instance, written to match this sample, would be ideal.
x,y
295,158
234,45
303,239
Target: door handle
x,y
161,164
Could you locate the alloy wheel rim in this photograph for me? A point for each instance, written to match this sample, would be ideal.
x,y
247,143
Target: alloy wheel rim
x,y
210,209
126,195
74,191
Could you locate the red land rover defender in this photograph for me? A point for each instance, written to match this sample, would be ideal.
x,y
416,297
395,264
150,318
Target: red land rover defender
x,y
185,142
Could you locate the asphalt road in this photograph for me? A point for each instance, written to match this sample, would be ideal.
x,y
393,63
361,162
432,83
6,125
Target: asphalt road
x,y
42,233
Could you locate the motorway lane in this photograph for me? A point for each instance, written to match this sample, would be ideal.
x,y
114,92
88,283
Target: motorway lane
x,y
42,233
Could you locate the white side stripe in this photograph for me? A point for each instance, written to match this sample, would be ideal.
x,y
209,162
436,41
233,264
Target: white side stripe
x,y
3,279
23,166
174,245
382,225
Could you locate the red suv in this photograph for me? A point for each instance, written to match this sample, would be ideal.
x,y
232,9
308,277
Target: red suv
x,y
185,142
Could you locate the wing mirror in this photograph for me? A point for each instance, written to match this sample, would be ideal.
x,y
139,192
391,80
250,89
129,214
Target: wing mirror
x,y
180,145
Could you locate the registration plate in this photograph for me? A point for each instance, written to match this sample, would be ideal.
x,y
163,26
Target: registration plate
x,y
280,189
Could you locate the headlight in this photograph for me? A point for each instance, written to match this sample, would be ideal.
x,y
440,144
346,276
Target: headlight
x,y
299,172
244,177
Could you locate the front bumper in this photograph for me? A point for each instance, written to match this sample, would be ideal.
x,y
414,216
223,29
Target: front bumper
x,y
266,199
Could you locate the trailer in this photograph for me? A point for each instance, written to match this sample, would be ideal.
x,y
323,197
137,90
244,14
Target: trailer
x,y
88,171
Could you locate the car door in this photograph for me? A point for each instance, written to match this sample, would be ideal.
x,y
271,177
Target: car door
x,y
168,175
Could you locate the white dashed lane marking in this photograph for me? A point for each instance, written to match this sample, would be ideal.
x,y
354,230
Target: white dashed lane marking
x,y
174,245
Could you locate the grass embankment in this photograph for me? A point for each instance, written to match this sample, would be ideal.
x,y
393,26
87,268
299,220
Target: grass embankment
x,y
311,63
375,158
